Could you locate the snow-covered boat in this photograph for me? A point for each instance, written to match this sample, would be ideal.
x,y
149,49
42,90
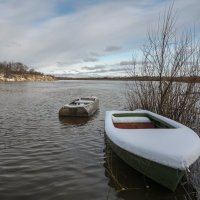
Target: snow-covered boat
x,y
160,148
82,107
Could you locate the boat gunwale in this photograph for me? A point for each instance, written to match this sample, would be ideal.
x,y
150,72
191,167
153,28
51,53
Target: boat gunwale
x,y
162,123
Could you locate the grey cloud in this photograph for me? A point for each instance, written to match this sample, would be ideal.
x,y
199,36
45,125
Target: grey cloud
x,y
13,44
90,59
127,63
94,54
124,63
17,44
121,69
98,72
60,63
113,48
104,68
93,67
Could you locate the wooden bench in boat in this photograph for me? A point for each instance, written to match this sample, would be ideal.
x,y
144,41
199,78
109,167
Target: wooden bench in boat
x,y
134,125
132,122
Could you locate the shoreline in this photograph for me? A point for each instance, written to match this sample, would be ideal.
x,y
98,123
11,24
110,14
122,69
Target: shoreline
x,y
26,78
41,77
136,78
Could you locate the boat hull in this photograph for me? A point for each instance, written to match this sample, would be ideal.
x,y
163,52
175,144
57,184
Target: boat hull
x,y
79,111
164,175
163,152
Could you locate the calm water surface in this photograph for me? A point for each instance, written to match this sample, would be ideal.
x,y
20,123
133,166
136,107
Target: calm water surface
x,y
44,157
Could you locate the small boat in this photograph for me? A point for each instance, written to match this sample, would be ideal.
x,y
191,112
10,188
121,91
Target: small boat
x,y
82,107
158,147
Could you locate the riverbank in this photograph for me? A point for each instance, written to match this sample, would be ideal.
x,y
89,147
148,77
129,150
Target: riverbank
x,y
26,77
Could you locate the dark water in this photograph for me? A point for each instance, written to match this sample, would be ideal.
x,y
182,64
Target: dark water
x,y
44,157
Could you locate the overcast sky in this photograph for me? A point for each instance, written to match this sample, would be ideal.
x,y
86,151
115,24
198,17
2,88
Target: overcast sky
x,y
82,37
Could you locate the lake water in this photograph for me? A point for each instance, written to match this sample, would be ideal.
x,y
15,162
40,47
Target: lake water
x,y
46,157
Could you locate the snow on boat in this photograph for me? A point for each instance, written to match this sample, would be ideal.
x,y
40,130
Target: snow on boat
x,y
82,107
158,147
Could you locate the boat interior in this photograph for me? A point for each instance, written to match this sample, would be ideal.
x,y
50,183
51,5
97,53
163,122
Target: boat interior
x,y
82,101
138,121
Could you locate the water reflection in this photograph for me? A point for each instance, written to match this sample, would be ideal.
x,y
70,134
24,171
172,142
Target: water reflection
x,y
80,121
77,121
129,183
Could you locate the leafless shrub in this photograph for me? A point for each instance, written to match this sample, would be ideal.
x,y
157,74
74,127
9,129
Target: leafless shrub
x,y
168,56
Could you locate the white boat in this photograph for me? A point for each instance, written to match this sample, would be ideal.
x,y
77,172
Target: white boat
x,y
160,148
81,107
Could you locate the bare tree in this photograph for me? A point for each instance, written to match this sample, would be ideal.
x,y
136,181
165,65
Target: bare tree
x,y
12,68
168,56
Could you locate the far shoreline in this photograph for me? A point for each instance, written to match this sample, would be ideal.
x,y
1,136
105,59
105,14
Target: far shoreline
x,y
43,77
195,79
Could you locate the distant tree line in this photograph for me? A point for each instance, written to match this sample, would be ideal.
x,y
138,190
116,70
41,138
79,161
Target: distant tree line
x,y
183,79
12,68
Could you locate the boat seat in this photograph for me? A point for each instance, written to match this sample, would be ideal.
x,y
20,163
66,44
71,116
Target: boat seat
x,y
132,122
134,125
131,119
84,101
